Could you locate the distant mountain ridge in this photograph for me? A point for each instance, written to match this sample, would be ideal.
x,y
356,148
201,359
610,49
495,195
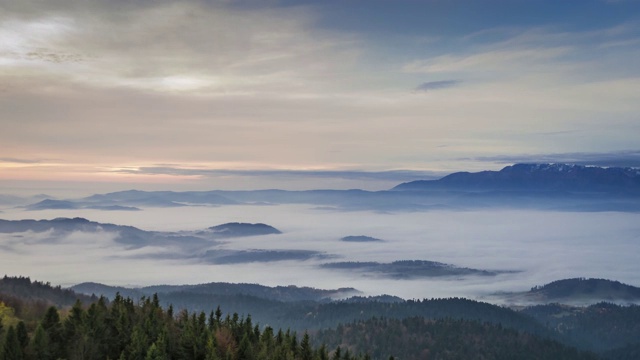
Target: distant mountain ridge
x,y
277,293
537,177
360,238
558,187
576,291
236,229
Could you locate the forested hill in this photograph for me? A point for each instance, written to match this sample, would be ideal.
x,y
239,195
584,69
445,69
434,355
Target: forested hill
x,y
20,292
576,291
128,329
582,287
457,327
277,293
418,338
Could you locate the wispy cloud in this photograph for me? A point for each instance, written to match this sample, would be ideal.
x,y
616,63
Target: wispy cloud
x,y
392,175
436,85
166,46
271,86
19,161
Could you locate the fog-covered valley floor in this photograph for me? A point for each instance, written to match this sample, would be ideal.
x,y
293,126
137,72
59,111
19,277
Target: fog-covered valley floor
x,y
529,247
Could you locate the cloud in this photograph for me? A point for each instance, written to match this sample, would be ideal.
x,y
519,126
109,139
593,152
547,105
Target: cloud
x,y
391,175
20,161
546,246
436,85
630,158
206,48
131,84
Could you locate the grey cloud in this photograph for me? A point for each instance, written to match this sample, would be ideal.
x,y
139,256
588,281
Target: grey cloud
x,y
437,85
127,44
53,56
19,161
392,175
630,158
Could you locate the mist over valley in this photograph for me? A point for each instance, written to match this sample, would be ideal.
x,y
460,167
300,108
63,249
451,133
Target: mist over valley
x,y
481,246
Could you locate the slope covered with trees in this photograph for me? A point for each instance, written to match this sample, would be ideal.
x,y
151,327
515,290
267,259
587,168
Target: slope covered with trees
x,y
418,338
125,329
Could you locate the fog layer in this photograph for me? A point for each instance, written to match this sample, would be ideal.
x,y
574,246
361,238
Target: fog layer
x,y
537,246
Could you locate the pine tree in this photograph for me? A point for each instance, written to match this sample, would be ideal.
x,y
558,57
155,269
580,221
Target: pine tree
x,y
212,348
337,355
139,344
156,353
245,350
11,349
76,334
53,328
321,353
23,336
39,346
305,348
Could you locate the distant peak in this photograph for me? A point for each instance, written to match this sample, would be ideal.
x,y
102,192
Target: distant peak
x,y
75,219
556,167
237,229
538,177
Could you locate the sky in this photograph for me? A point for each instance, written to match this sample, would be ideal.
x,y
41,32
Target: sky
x,y
152,94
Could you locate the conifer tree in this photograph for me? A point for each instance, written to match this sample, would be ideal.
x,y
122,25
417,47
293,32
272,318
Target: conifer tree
x,y
11,349
39,347
305,348
212,348
23,336
53,328
337,355
156,353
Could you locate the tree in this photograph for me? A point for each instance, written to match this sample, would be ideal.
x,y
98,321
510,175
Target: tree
x,y
245,351
39,347
337,355
53,328
305,348
23,336
76,333
155,353
139,344
212,348
11,349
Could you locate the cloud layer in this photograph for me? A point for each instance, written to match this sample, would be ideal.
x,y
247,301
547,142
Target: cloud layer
x,y
94,85
543,246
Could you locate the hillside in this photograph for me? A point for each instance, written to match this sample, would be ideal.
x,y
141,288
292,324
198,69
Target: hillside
x,y
36,291
408,269
417,338
23,299
537,177
278,293
142,329
576,291
457,326
360,238
601,327
235,229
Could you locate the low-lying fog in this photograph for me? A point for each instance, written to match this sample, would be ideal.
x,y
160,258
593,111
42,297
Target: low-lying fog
x,y
541,246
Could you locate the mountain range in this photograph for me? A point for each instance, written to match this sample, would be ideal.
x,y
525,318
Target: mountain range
x,y
559,187
536,178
